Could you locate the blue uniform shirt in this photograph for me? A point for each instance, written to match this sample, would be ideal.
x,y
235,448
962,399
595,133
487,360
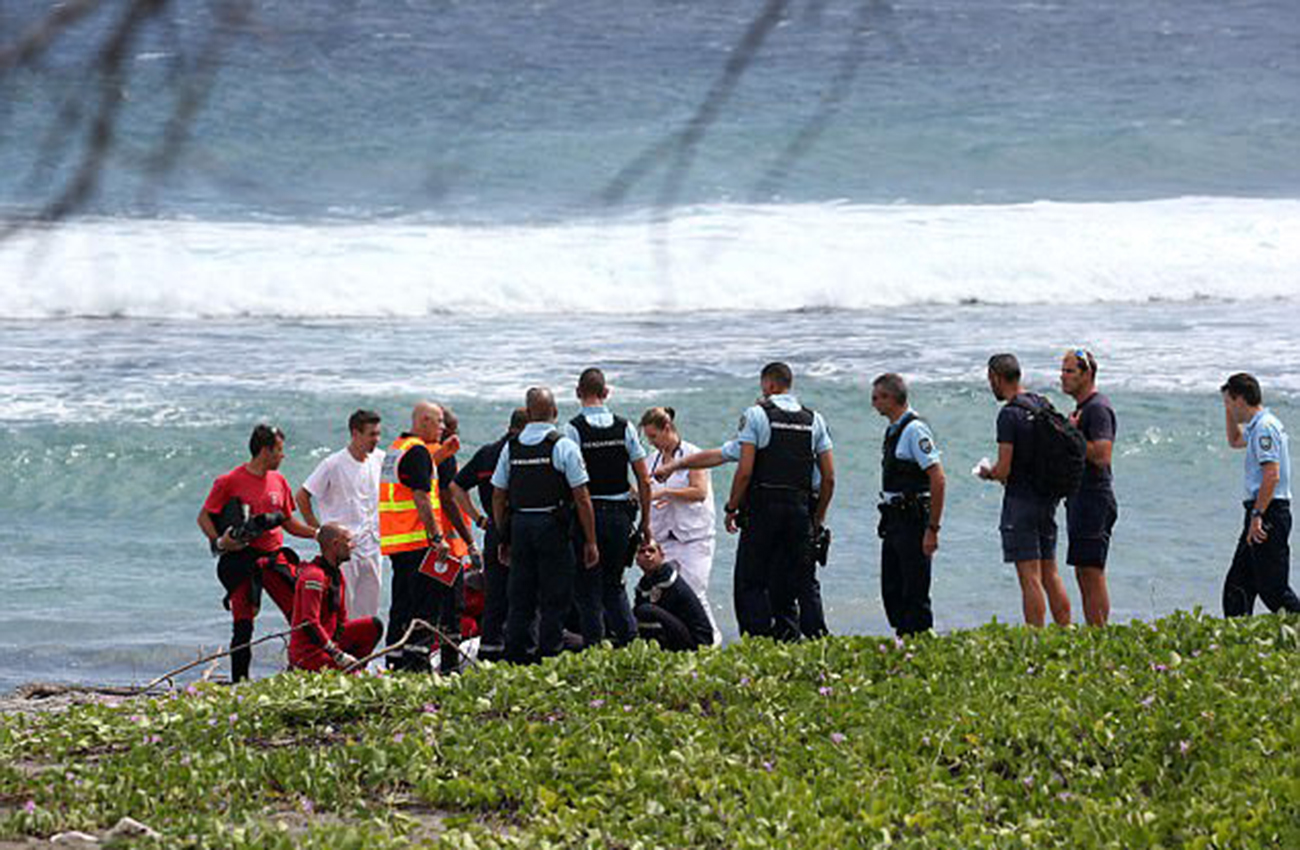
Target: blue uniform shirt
x,y
756,430
566,457
917,444
1266,442
600,417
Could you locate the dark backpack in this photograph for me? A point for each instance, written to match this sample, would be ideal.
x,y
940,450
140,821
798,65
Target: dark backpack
x,y
1060,451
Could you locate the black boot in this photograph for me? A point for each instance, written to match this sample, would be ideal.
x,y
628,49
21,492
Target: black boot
x,y
241,659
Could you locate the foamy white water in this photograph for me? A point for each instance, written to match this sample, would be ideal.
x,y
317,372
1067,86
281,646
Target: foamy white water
x,y
781,257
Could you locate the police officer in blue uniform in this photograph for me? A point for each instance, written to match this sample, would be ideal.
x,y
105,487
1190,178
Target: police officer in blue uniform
x,y
1261,565
610,445
782,443
911,507
538,482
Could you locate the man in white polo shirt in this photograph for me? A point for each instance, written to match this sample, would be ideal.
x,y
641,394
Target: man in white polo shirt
x,y
344,489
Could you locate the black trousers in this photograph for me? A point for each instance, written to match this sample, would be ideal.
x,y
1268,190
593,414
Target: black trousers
x,y
776,588
416,596
601,592
496,602
664,628
1262,569
905,569
541,577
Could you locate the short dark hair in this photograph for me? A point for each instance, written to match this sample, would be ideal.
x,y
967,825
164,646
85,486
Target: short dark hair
x,y
1005,366
1244,386
361,418
592,383
892,383
778,373
264,437
518,419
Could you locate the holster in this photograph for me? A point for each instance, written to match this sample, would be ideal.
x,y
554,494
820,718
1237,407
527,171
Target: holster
x,y
906,508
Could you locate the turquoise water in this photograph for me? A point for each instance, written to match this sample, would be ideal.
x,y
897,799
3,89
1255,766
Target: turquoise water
x,y
380,202
114,429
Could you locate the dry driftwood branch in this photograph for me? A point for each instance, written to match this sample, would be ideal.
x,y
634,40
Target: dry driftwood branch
x,y
360,663
171,674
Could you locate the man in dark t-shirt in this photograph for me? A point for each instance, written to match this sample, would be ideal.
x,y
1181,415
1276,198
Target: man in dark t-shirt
x,y
1028,522
1091,512
477,473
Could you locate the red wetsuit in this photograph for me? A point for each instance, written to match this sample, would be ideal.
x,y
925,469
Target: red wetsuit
x,y
262,494
320,608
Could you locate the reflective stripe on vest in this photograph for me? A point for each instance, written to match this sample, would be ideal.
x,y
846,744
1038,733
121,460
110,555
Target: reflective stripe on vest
x,y
400,528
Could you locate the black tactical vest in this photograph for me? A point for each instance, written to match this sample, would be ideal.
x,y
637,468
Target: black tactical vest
x,y
604,450
787,461
535,483
901,476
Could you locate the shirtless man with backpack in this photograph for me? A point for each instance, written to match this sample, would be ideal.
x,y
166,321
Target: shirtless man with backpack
x,y
1040,461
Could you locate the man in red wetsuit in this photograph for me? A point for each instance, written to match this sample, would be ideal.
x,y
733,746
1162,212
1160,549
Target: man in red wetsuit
x,y
249,566
324,637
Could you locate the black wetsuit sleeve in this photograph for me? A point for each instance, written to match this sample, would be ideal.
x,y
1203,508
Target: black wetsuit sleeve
x,y
467,476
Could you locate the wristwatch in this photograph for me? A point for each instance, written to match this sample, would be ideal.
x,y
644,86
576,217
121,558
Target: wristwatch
x,y
1256,512
934,526
482,521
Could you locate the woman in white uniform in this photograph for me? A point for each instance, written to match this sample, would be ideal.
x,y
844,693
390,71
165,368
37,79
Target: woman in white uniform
x,y
681,508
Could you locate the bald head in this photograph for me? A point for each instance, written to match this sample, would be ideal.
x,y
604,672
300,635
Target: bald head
x,y
426,421
335,543
540,403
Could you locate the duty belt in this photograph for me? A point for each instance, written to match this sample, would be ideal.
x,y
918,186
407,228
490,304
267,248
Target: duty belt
x,y
902,500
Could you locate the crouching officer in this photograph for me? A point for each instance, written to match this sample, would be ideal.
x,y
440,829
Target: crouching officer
x,y
782,444
667,609
911,507
538,480
610,446
324,638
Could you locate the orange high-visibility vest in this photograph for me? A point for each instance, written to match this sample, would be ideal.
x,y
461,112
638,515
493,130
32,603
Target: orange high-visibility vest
x,y
400,528
457,547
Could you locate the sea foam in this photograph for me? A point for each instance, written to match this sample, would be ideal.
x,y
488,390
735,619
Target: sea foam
x,y
766,257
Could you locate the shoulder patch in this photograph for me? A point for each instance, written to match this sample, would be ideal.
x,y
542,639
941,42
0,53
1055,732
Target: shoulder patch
x,y
1265,442
926,445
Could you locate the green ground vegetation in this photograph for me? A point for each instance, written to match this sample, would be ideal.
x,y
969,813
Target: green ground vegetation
x,y
1181,733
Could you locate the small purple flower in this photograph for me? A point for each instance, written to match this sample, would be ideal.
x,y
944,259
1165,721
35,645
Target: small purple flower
x,y
191,690
597,703
825,690
1031,671
884,648
398,737
234,717
1184,746
429,708
1159,668
627,708
898,642
1028,782
307,806
926,740
695,674
744,681
1146,703
837,738
1213,647
908,657
1065,796
29,807
768,766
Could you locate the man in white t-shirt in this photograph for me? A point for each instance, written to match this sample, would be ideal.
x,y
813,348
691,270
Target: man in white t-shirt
x,y
344,489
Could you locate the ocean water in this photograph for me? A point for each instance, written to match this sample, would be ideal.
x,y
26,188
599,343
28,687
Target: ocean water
x,y
380,202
